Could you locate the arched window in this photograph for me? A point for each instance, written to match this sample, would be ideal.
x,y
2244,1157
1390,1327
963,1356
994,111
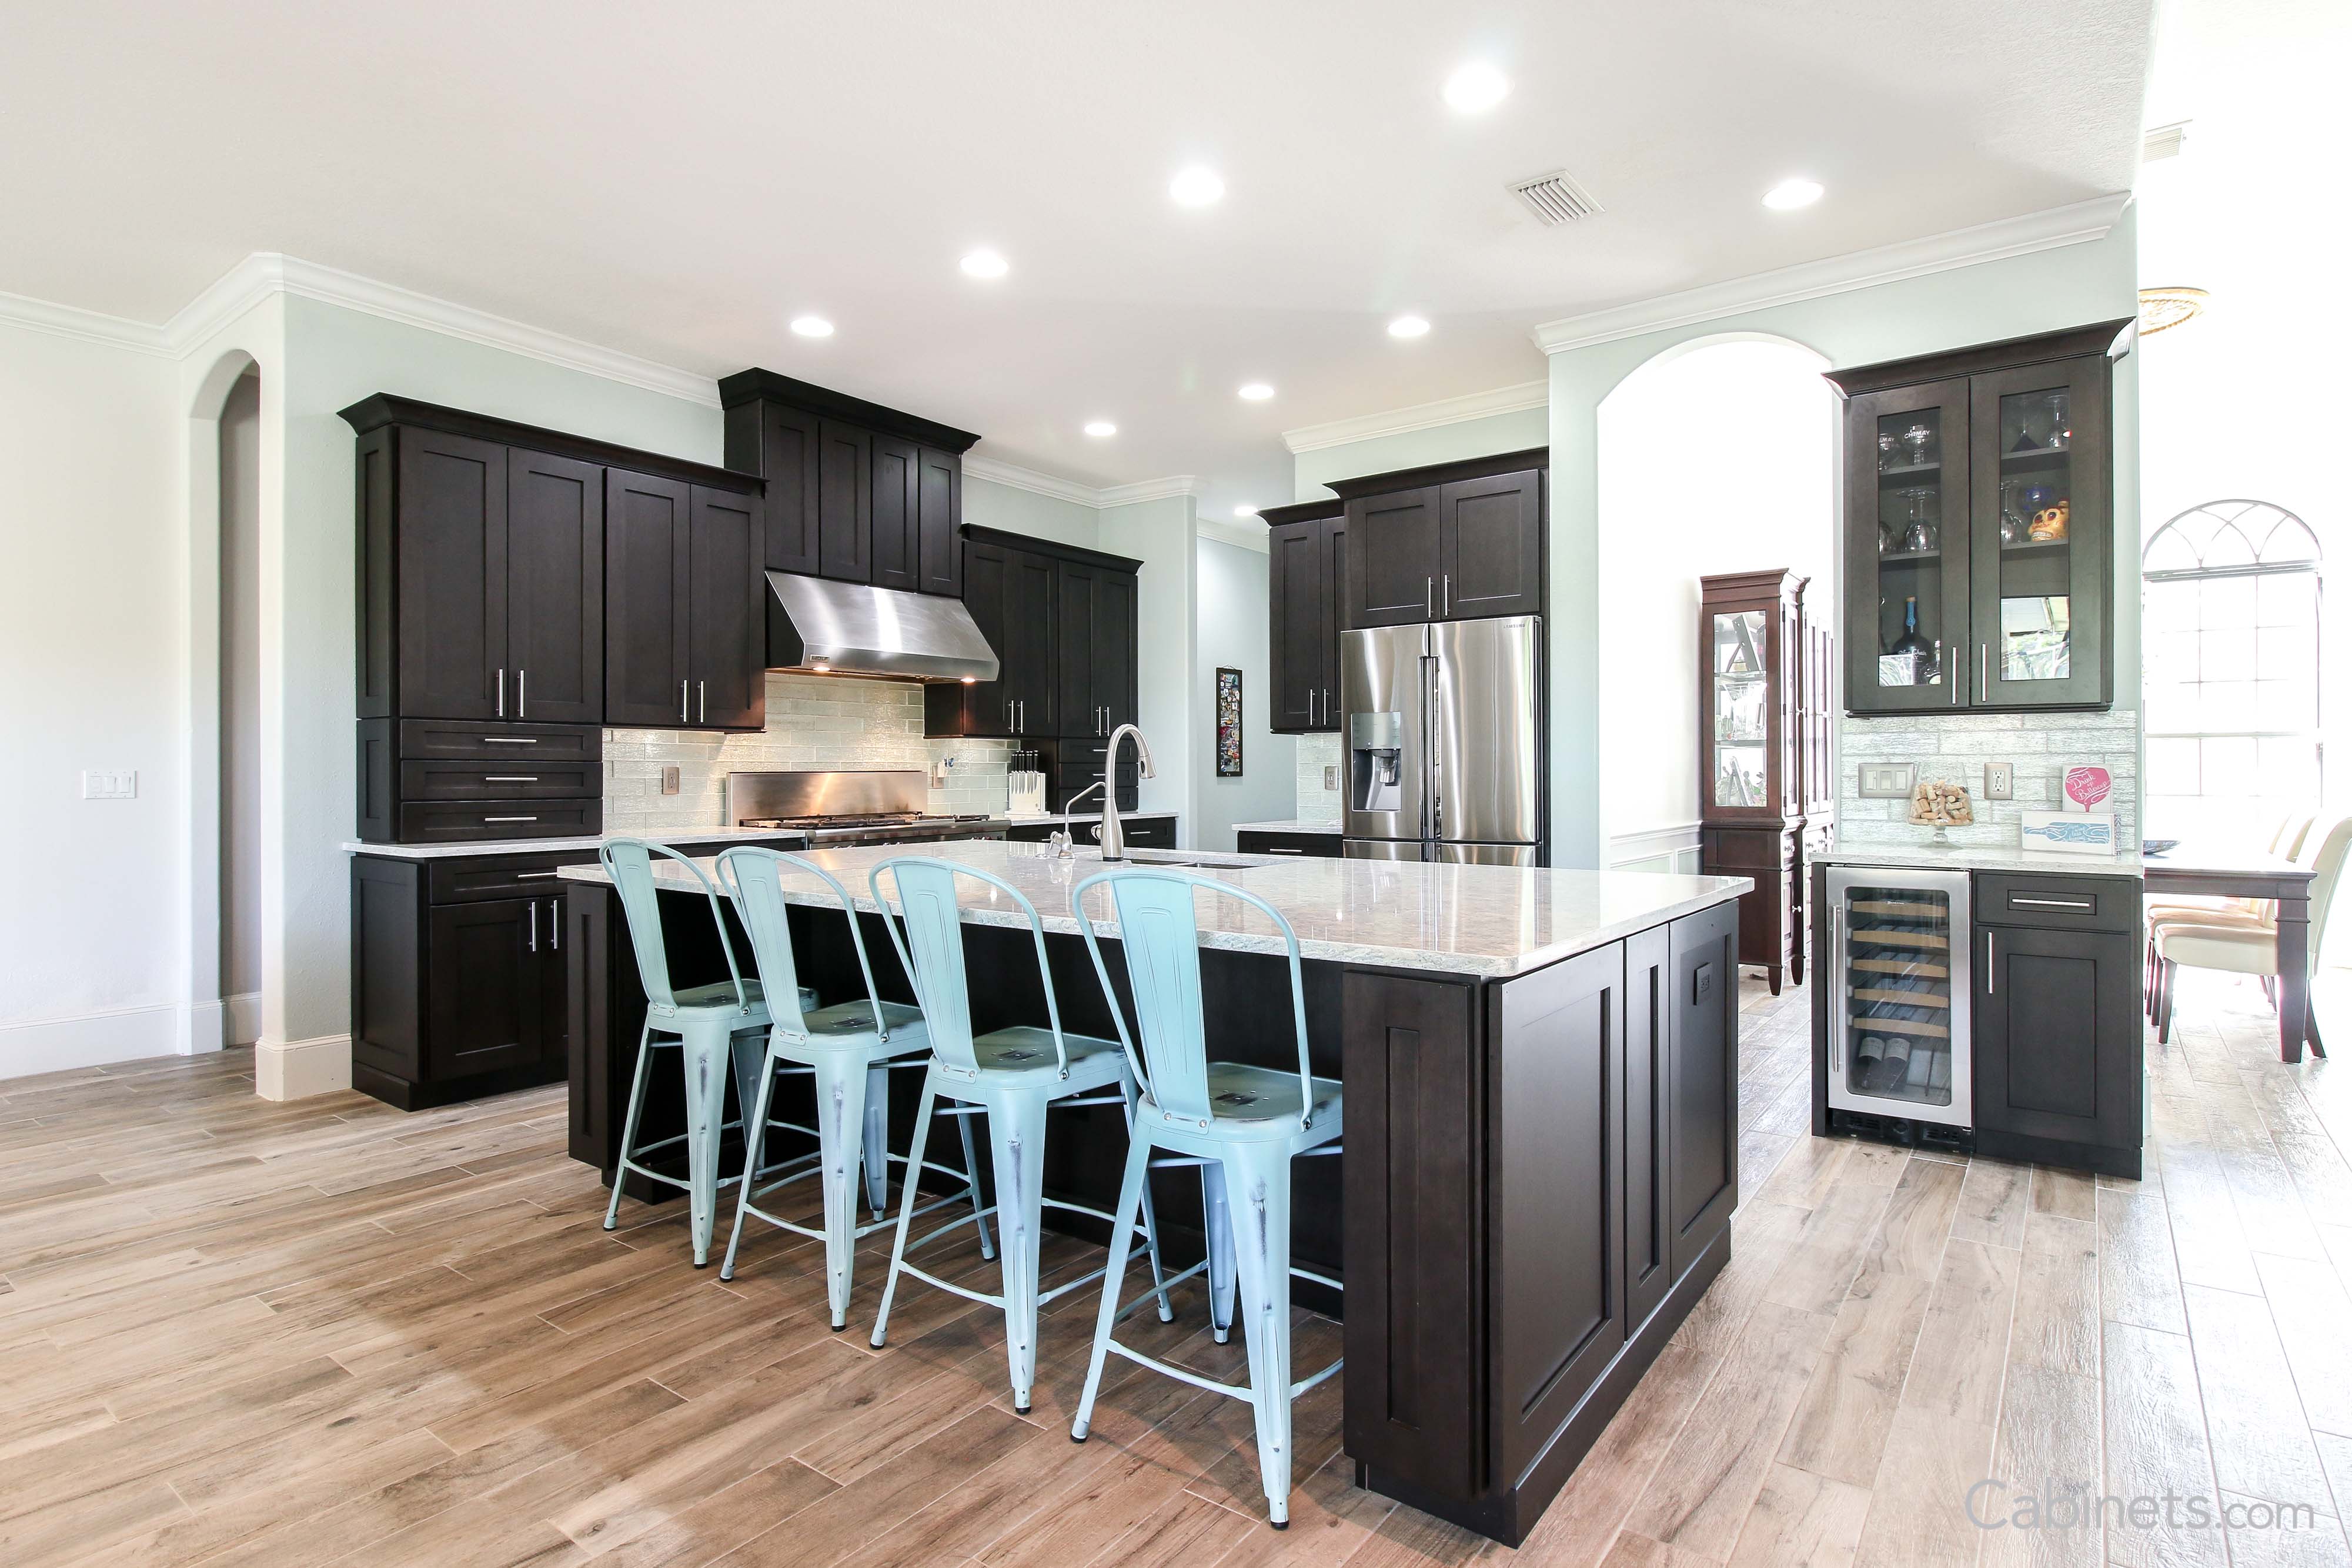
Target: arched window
x,y
2230,656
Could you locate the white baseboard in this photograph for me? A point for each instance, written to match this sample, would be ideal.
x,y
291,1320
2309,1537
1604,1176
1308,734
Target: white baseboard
x,y
89,1039
297,1069
207,1028
243,1024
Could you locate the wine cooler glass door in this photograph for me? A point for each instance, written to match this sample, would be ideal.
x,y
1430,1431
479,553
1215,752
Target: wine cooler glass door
x,y
1898,1035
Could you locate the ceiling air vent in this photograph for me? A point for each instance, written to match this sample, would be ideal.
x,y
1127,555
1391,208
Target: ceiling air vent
x,y
1554,198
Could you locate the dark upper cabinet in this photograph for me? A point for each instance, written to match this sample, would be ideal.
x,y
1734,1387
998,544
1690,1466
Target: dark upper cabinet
x,y
1094,690
857,491
555,588
684,631
1306,581
1979,535
451,531
1011,595
1490,543
845,502
726,624
1455,541
939,515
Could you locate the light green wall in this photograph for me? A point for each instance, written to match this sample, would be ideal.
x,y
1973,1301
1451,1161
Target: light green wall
x,y
1232,585
1159,534
989,504
1514,432
2011,298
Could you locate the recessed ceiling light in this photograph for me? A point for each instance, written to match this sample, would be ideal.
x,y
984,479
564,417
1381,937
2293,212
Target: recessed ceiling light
x,y
1257,392
1475,88
985,264
1195,187
813,325
1789,194
1246,511
1408,327
1100,428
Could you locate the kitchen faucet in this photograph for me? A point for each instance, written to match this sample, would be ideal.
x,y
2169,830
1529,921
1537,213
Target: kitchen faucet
x,y
1114,842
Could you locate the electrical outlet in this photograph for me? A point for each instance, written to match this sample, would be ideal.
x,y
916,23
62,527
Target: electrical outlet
x,y
1330,777
2000,781
110,784
669,780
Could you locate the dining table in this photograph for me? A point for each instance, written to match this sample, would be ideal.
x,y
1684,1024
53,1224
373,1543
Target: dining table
x,y
2221,871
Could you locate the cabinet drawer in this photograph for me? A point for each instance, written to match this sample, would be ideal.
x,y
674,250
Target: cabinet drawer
x,y
2058,903
426,740
490,782
1320,846
450,823
476,877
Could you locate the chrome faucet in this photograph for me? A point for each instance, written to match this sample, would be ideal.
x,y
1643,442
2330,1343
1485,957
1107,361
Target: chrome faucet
x,y
1114,842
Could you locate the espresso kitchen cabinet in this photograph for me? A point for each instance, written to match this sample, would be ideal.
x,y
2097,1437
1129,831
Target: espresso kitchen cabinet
x,y
1305,574
684,626
1978,538
939,518
1063,621
1455,541
1095,678
845,501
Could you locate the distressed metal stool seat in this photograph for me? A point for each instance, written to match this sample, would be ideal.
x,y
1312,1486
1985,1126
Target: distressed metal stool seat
x,y
1241,1124
1012,1076
850,1048
709,1025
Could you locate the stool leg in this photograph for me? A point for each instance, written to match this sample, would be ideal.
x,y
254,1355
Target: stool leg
x,y
971,1188
1122,1235
1016,1136
841,1084
1221,1250
755,1136
1260,1179
1150,1221
877,1141
704,1057
905,1215
629,1125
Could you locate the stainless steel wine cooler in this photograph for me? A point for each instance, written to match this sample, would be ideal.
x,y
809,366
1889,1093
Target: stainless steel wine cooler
x,y
1898,1027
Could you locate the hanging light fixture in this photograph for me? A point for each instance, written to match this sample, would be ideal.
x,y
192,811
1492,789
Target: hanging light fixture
x,y
2160,309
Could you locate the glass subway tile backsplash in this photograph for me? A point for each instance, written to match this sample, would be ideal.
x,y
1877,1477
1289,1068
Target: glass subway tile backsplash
x,y
1956,750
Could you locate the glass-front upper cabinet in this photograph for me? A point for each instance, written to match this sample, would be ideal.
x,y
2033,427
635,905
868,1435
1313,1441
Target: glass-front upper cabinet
x,y
1979,556
1749,653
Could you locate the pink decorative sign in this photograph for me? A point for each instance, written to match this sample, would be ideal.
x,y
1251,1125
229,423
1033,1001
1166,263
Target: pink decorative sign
x,y
2087,785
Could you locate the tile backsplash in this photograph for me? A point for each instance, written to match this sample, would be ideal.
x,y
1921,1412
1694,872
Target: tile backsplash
x,y
814,724
1956,748
1316,753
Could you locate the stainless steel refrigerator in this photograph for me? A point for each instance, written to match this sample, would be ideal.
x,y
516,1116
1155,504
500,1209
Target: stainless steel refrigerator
x,y
1443,736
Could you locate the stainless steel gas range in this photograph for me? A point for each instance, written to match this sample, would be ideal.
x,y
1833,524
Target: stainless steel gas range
x,y
835,809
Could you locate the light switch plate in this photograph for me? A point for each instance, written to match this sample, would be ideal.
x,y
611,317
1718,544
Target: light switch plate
x,y
1888,780
110,784
669,780
2000,781
1330,779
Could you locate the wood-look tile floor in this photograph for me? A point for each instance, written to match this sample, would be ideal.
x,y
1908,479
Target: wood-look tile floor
x,y
238,1333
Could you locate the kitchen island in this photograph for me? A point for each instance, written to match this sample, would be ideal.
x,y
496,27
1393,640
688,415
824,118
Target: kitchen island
x,y
1542,1154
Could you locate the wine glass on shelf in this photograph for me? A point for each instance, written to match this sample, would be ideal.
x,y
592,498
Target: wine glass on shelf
x,y
2053,409
1888,453
1917,439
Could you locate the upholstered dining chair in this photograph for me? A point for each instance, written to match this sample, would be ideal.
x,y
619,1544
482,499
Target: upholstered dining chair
x,y
2246,948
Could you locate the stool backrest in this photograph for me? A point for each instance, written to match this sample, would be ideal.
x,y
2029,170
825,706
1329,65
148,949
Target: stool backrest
x,y
629,862
932,951
1160,933
752,877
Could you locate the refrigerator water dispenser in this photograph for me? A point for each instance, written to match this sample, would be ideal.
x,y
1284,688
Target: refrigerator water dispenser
x,y
1375,761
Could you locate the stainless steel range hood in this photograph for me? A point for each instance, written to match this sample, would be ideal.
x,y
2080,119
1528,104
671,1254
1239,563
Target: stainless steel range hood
x,y
852,629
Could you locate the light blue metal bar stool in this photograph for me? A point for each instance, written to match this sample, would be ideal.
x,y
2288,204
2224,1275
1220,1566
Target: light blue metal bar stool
x,y
709,1024
1012,1076
851,1048
1241,1124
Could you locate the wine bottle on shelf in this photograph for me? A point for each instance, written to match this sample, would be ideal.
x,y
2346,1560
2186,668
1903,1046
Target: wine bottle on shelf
x,y
1912,643
1894,1064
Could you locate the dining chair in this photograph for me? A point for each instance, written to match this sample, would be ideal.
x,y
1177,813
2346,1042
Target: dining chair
x,y
850,1048
1241,1124
2287,841
2253,949
709,1025
1012,1076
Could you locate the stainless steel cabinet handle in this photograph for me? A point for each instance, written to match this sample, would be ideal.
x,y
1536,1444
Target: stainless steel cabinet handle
x,y
534,925
509,818
502,691
1951,675
1449,593
532,875
681,702
554,927
702,701
1984,670
509,740
1987,962
522,693
509,777
1270,849
1428,596
1837,975
2053,903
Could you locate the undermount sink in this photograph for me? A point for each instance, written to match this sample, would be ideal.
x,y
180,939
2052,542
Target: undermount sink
x,y
1178,858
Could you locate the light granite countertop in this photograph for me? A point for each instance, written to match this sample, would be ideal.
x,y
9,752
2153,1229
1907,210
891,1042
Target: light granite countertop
x,y
1983,857
1297,825
676,840
1487,921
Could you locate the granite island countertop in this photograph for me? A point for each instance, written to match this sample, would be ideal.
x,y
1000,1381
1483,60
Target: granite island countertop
x,y
1484,921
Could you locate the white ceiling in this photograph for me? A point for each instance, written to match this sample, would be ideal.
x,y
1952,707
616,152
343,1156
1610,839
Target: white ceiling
x,y
678,180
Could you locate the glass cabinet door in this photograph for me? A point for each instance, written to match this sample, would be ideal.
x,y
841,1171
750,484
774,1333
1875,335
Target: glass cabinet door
x,y
2040,603
1740,675
1899,1030
1907,547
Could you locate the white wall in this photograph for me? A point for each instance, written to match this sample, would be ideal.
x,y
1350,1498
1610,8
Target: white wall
x,y
90,613
1721,459
240,709
1232,633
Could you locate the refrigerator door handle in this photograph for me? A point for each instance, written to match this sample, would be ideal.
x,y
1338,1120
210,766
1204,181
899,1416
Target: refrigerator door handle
x,y
1435,716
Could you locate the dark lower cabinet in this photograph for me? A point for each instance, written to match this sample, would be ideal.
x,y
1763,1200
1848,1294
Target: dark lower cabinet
x,y
1138,832
2058,1044
1703,1085
1649,1069
1312,846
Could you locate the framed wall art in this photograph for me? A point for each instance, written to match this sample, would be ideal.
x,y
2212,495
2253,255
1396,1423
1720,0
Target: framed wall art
x,y
1229,723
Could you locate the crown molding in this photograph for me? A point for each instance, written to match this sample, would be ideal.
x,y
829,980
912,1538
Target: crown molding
x,y
2047,230
1251,535
1173,485
88,326
996,471
1418,416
